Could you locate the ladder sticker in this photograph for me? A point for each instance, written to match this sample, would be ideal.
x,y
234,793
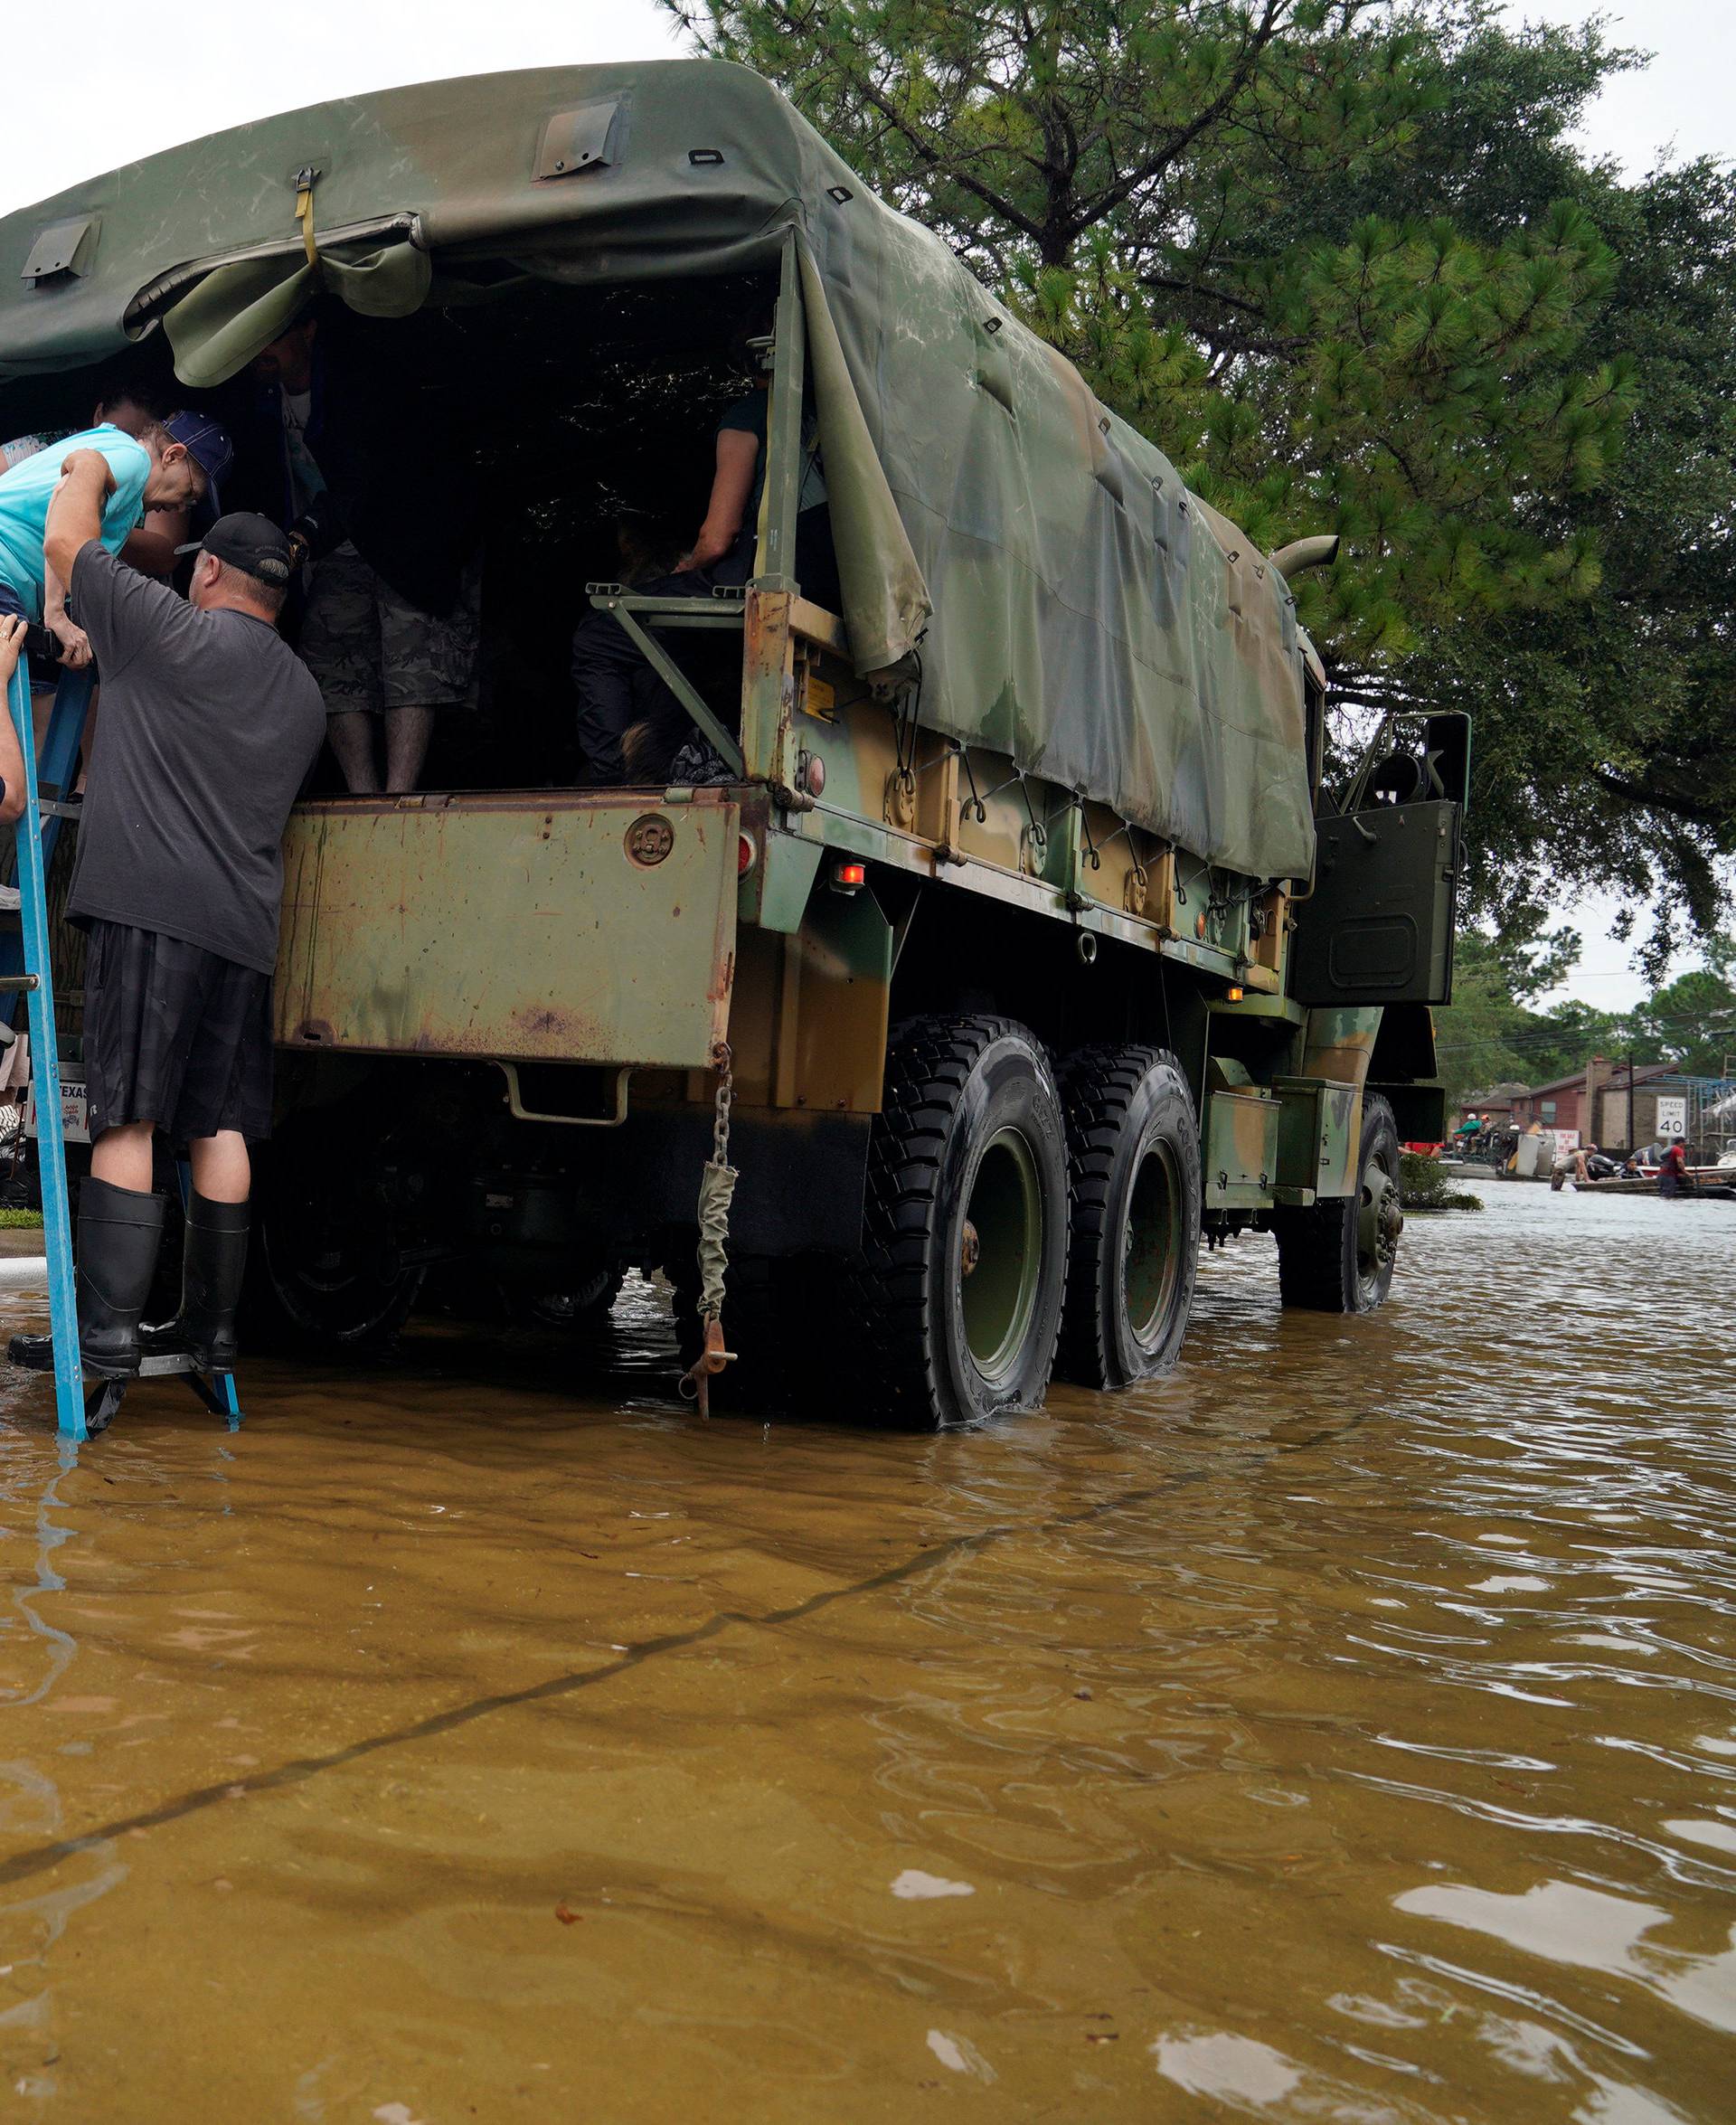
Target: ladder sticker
x,y
75,1111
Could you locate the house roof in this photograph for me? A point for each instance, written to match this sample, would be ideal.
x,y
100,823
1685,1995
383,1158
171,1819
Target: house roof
x,y
1617,1080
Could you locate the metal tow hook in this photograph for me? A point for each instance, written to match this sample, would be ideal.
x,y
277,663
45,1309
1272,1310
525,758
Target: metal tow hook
x,y
697,1383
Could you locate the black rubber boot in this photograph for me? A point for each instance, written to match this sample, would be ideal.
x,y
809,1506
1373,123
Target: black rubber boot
x,y
118,1232
212,1267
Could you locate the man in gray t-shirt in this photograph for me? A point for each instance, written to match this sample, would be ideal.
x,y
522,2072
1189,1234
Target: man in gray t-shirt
x,y
210,723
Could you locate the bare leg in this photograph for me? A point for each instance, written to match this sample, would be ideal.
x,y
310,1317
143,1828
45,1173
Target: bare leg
x,y
407,731
122,1156
352,736
221,1172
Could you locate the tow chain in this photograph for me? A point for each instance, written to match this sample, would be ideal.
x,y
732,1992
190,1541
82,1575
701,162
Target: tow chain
x,y
720,1107
716,1187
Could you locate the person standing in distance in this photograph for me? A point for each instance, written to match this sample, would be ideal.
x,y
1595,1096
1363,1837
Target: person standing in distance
x,y
209,725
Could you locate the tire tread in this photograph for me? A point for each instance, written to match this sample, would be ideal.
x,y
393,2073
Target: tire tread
x,y
883,1300
1098,1086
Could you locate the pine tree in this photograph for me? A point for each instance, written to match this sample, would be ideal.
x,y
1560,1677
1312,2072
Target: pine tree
x,y
1345,262
1133,178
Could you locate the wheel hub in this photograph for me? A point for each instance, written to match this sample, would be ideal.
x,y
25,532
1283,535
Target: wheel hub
x,y
1151,1263
1000,1253
1380,1220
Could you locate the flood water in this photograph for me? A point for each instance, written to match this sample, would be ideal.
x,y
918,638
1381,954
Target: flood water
x,y
1342,1729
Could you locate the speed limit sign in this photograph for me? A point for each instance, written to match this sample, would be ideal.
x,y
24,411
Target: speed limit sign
x,y
1672,1116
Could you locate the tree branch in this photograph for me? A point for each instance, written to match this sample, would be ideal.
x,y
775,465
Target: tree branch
x,y
1651,795
1184,137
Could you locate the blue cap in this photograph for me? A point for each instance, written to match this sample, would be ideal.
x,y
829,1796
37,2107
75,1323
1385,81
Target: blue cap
x,y
208,445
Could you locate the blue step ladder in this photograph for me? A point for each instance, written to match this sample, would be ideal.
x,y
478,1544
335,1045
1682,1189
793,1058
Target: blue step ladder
x,y
24,968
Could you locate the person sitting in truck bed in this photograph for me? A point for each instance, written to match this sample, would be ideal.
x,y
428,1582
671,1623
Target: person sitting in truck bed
x,y
611,676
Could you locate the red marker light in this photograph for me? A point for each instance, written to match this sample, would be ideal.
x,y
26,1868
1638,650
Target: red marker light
x,y
745,853
847,877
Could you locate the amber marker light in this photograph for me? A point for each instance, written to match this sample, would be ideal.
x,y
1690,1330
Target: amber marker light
x,y
1232,996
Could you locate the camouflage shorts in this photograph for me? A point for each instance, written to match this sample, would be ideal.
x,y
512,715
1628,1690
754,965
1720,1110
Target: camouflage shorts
x,y
370,651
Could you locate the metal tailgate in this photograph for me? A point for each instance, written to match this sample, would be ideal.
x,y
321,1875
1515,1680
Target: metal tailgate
x,y
564,927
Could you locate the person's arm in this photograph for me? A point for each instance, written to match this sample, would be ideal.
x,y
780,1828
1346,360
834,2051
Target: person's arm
x,y
74,516
11,760
123,612
75,509
88,491
738,452
75,644
318,531
151,548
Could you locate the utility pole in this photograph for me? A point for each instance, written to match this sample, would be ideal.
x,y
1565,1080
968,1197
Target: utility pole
x,y
1633,1134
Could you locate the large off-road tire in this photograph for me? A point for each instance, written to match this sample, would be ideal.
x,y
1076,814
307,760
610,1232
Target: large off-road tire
x,y
1338,1256
958,1292
1132,1153
320,1267
582,1309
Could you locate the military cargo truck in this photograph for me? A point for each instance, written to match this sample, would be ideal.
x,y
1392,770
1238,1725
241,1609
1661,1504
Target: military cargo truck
x,y
1015,947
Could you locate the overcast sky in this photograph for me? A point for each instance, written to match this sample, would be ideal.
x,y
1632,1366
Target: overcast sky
x,y
119,80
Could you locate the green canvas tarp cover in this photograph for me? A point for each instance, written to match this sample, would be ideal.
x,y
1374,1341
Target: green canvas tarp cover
x,y
1072,605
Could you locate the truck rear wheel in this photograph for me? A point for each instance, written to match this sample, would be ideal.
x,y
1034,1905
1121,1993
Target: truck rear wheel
x,y
321,1269
1133,1149
1338,1256
959,1286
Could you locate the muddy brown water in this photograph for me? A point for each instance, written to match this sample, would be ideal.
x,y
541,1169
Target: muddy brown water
x,y
1343,1728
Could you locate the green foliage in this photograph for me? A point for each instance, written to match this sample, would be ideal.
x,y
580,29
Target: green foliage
x,y
1692,1022
1486,1036
1346,264
1130,175
1491,1034
1422,1186
1602,752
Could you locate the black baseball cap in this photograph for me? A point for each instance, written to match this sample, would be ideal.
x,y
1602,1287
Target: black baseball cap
x,y
252,544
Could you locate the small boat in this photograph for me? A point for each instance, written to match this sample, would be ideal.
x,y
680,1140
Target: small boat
x,y
1704,1183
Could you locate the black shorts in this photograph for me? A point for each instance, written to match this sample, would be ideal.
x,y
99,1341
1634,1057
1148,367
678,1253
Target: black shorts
x,y
37,674
174,1034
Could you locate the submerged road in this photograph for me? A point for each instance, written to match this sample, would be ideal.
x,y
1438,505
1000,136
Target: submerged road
x,y
1343,1728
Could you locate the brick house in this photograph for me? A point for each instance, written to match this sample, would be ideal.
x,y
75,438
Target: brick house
x,y
1594,1101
